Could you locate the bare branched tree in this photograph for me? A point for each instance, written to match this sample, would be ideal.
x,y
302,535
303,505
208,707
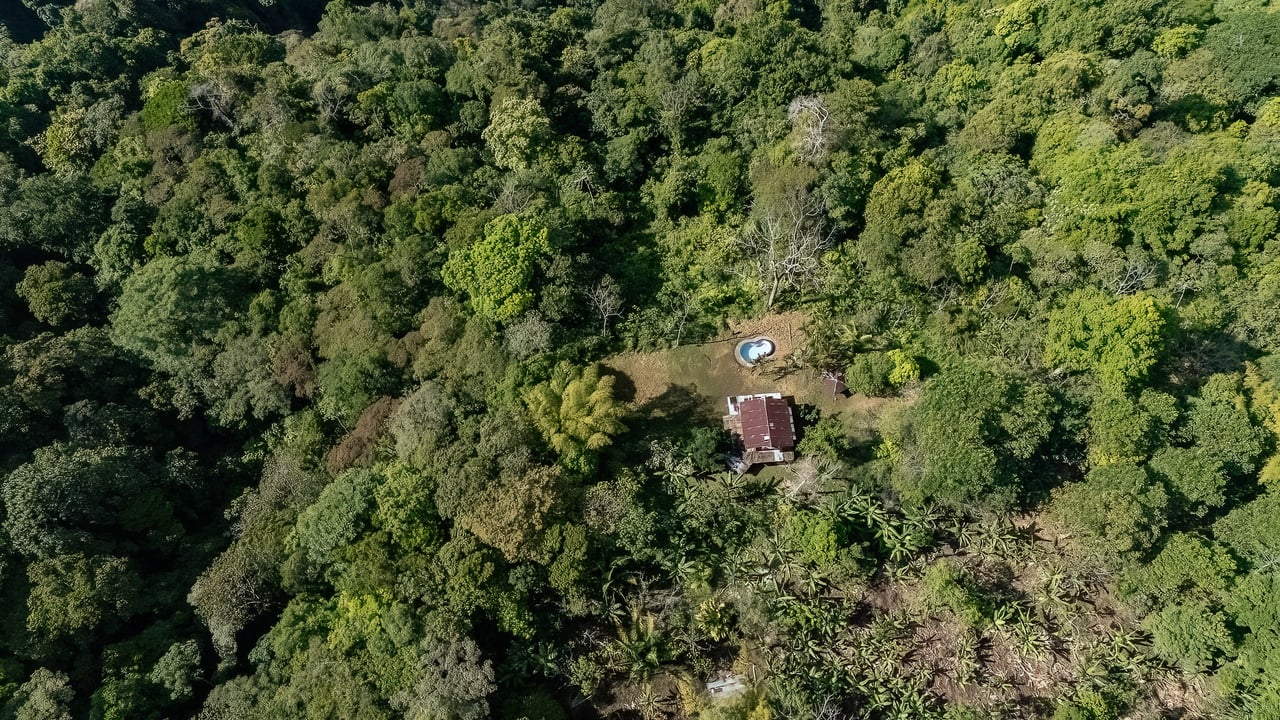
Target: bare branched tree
x,y
516,195
678,102
584,180
828,709
681,304
332,94
814,126
606,297
1139,272
785,244
216,97
808,478
1182,284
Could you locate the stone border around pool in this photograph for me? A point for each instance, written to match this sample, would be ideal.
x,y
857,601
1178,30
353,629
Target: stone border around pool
x,y
737,349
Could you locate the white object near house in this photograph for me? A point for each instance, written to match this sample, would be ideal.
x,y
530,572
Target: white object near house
x,y
726,687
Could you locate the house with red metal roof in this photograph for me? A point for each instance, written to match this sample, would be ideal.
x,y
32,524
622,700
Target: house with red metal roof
x,y
765,425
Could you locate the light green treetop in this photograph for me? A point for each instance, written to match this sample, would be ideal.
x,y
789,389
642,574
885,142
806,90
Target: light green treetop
x,y
576,413
1118,340
495,271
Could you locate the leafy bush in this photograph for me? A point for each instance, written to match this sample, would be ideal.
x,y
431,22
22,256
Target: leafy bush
x,y
946,585
826,438
1192,634
869,373
906,369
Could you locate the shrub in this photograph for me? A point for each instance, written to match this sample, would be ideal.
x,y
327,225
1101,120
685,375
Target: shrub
x,y
706,447
1088,704
947,585
905,370
1193,635
869,374
827,438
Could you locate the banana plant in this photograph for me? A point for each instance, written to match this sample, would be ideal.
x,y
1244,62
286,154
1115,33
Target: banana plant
x,y
815,582
715,619
1002,615
679,566
735,483
650,703
676,477
1030,640
639,648
967,660
1055,594
962,533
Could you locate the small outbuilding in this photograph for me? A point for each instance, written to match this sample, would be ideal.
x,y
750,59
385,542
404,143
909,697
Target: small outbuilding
x,y
835,383
765,425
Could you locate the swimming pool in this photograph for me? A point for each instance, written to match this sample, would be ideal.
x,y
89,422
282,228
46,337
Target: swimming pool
x,y
749,352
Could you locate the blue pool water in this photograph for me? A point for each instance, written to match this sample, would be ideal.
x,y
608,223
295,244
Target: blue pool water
x,y
752,351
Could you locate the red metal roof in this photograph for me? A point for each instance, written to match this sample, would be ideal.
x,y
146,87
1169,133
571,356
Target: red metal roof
x,y
767,424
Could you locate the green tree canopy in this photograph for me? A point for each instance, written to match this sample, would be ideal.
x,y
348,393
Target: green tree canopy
x,y
577,413
455,682
46,696
69,500
172,304
56,294
497,271
1191,634
76,595
1116,339
965,440
518,131
1118,509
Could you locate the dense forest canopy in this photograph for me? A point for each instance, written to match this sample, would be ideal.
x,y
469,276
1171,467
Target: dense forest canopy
x,y
329,336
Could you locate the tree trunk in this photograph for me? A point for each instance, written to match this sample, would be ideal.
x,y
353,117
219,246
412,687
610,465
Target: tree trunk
x,y
773,292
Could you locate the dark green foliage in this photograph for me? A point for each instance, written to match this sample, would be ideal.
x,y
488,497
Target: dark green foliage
x,y
1197,482
1190,634
168,106
72,595
46,696
1252,607
1188,566
1220,426
58,214
1126,429
706,447
56,294
1235,63
965,441
70,500
1118,508
311,322
868,374
337,517
1252,530
172,306
826,438
536,705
